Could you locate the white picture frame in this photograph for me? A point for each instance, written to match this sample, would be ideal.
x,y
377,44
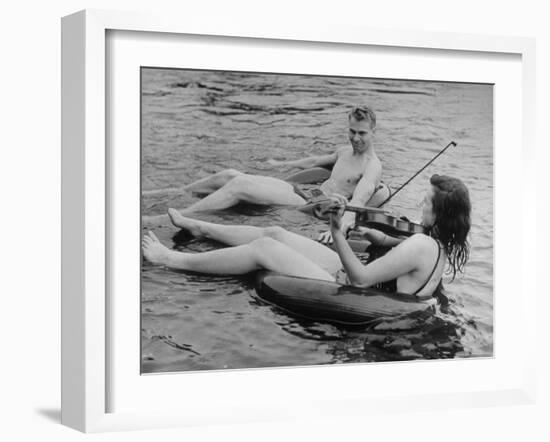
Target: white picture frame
x,y
86,315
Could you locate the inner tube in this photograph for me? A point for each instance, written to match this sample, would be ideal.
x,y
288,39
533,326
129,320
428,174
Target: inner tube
x,y
312,175
332,302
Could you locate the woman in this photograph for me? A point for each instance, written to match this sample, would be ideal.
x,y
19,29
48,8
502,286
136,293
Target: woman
x,y
415,264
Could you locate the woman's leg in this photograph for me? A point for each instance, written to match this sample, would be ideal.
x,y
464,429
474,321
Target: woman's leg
x,y
238,235
253,189
263,253
232,235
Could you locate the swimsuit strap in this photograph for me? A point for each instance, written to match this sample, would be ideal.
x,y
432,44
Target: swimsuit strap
x,y
431,274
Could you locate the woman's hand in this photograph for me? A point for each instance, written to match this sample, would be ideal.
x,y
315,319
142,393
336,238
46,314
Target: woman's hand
x,y
368,233
378,237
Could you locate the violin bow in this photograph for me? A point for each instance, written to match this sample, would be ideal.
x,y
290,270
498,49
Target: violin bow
x,y
315,203
452,143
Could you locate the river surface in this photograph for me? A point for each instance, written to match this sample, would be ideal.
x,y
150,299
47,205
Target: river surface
x,y
195,123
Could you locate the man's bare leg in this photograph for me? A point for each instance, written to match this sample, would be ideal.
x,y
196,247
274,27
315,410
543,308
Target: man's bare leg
x,y
263,253
213,182
253,189
238,235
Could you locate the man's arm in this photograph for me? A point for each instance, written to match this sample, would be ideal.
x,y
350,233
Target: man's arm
x,y
363,191
306,163
367,184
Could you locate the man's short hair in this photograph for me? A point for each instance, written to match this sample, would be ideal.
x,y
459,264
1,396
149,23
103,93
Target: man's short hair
x,y
361,113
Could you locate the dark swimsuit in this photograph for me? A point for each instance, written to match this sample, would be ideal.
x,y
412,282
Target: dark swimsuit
x,y
309,195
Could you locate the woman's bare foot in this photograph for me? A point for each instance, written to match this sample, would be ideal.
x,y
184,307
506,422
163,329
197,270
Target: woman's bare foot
x,y
154,250
192,225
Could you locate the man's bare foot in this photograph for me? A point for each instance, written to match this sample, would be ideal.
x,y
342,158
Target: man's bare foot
x,y
154,250
192,225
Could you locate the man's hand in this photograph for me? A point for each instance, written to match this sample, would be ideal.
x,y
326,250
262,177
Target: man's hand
x,y
335,209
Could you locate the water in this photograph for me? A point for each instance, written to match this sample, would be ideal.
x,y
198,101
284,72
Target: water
x,y
196,122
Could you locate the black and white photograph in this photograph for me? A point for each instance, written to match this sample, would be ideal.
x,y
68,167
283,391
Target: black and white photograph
x,y
299,220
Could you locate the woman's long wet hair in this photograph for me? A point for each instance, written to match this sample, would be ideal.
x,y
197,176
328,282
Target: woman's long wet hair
x,y
451,207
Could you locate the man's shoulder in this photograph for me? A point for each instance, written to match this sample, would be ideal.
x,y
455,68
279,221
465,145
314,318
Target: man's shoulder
x,y
372,160
343,151
344,148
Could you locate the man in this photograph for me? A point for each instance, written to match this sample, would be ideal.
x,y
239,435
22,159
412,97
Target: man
x,y
355,174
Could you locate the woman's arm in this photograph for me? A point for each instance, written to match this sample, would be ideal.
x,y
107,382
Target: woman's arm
x,y
379,238
352,265
402,259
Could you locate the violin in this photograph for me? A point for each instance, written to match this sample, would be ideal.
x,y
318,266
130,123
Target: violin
x,y
375,218
385,221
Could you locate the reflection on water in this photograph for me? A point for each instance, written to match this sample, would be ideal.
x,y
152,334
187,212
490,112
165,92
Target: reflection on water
x,y
195,123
